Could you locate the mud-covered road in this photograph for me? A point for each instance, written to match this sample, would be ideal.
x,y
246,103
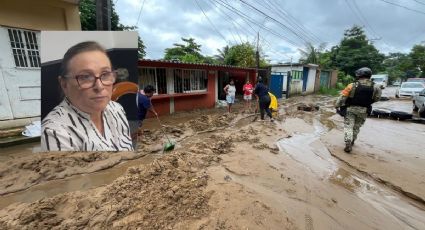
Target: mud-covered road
x,y
230,172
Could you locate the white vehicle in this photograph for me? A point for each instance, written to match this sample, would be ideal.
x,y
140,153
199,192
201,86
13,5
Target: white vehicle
x,y
419,103
380,80
409,89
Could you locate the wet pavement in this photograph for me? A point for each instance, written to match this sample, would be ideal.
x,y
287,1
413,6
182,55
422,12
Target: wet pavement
x,y
307,150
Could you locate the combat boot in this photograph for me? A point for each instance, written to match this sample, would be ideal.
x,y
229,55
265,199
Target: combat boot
x,y
348,147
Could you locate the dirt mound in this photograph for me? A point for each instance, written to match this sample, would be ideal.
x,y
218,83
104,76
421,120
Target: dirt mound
x,y
208,122
21,173
156,196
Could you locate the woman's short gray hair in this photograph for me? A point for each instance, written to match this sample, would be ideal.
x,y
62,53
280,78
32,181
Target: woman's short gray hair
x,y
77,49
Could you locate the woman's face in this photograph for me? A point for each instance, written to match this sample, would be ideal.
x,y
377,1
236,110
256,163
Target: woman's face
x,y
90,100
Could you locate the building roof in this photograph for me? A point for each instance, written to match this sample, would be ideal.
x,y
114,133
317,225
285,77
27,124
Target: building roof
x,y
177,62
295,65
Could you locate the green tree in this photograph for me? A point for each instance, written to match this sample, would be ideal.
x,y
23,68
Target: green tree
x,y
88,22
417,55
397,66
243,55
222,53
311,54
189,51
356,51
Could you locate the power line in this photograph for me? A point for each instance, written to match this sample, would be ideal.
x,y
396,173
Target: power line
x,y
229,19
363,17
285,15
215,28
248,21
244,16
407,8
249,25
419,2
273,19
140,12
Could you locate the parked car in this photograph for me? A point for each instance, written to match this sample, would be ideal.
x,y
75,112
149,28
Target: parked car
x,y
396,83
409,89
380,80
416,79
419,103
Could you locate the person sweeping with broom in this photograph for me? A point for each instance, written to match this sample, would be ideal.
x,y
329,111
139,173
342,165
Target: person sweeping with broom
x,y
144,104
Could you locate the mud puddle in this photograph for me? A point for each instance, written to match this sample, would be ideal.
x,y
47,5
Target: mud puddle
x,y
19,150
307,149
81,182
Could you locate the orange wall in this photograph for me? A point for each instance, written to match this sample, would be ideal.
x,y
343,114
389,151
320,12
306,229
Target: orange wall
x,y
161,105
198,101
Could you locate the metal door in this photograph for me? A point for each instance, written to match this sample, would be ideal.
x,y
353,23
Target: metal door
x,y
276,82
305,77
324,79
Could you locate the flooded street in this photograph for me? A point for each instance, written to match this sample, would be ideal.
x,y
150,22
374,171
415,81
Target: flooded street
x,y
231,172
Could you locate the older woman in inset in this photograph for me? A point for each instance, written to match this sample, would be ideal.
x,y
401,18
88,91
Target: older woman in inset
x,y
87,119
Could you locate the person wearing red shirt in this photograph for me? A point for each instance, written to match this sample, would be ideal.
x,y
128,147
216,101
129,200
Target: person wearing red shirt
x,y
247,95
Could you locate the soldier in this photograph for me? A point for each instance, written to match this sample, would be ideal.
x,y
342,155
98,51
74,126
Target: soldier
x,y
358,97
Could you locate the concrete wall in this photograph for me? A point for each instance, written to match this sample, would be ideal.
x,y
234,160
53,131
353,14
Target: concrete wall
x,y
166,104
40,15
198,102
334,78
19,87
54,50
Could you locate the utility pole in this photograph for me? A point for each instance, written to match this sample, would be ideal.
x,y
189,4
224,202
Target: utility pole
x,y
257,53
103,14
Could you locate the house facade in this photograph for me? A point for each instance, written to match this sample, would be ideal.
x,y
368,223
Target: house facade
x,y
20,29
305,78
188,86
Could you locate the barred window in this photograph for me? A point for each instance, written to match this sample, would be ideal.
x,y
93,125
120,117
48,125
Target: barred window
x,y
156,77
189,81
297,74
24,47
182,80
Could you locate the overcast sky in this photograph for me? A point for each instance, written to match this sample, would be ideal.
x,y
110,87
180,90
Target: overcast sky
x,y
284,25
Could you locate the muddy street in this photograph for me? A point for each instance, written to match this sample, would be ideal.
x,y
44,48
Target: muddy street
x,y
231,172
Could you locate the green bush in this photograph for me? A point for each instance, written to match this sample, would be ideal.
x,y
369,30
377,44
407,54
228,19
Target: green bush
x,y
329,91
344,79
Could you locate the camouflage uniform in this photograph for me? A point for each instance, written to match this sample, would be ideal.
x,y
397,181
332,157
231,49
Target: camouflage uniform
x,y
356,115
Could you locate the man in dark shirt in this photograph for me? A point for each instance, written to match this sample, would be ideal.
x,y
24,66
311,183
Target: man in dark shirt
x,y
144,103
262,93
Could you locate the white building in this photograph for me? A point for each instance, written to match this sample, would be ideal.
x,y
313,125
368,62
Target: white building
x,y
303,77
20,24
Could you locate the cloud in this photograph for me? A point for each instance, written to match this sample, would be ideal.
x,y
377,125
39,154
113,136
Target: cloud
x,y
164,22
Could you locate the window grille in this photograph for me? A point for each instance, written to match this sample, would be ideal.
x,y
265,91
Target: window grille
x,y
25,48
185,80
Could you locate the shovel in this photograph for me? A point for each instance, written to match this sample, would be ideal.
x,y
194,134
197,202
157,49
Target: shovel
x,y
169,145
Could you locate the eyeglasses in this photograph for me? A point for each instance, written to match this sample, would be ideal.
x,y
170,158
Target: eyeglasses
x,y
86,81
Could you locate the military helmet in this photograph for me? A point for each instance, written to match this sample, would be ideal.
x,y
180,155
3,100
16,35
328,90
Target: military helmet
x,y
364,72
